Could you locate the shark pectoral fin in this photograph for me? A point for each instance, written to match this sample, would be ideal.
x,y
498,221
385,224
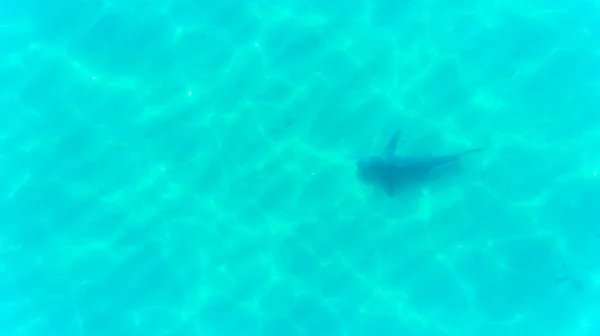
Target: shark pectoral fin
x,y
389,186
390,148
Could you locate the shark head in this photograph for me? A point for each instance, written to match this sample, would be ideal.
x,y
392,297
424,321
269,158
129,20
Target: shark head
x,y
370,169
375,169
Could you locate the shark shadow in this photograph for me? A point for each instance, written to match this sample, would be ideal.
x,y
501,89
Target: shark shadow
x,y
392,172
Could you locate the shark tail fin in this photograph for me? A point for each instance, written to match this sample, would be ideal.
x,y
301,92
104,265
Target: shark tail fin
x,y
470,151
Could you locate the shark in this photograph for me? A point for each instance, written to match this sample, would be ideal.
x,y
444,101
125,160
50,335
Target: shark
x,y
390,171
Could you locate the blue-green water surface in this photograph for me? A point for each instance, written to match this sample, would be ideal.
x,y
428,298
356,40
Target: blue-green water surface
x,y
175,168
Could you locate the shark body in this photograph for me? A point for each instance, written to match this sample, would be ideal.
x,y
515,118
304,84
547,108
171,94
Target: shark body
x,y
389,170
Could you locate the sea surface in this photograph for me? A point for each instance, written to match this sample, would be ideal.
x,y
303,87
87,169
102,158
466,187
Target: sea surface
x,y
175,168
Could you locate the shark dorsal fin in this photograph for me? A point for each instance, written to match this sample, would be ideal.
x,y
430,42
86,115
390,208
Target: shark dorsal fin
x,y
390,148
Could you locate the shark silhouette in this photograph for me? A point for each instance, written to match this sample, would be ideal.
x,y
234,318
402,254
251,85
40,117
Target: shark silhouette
x,y
390,171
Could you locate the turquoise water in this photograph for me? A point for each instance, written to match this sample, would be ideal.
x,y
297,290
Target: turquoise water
x,y
188,168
